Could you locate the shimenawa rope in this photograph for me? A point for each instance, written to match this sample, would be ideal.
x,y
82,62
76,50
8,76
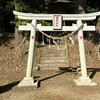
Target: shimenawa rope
x,y
58,38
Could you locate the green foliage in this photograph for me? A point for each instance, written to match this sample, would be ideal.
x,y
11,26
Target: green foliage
x,y
44,23
19,22
93,5
39,6
31,6
89,9
17,5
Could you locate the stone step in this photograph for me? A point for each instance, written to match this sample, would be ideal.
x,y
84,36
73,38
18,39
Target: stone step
x,y
53,55
53,58
53,65
56,67
50,68
53,48
53,52
47,68
52,61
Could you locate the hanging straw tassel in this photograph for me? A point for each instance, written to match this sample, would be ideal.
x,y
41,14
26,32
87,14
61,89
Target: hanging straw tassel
x,y
42,40
49,43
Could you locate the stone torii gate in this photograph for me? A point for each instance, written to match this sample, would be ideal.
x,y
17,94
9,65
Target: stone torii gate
x,y
57,26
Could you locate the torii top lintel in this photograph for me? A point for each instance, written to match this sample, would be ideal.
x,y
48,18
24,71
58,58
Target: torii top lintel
x,y
28,16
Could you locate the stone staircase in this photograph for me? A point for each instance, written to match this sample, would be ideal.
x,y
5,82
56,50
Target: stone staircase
x,y
53,58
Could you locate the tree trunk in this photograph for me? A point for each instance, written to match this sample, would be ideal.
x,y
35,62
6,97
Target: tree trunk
x,y
18,34
16,30
98,25
98,32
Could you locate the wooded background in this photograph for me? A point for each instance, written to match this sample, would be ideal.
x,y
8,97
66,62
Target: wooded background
x,y
9,22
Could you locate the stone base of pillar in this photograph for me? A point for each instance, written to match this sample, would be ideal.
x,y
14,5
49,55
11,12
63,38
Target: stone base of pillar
x,y
43,44
84,81
28,81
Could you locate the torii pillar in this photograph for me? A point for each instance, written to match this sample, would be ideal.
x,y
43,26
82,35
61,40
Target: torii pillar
x,y
84,79
28,79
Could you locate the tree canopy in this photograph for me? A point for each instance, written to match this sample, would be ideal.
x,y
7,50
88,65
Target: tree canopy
x,y
93,5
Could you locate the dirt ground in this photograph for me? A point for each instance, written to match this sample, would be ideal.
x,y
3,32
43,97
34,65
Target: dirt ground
x,y
53,85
